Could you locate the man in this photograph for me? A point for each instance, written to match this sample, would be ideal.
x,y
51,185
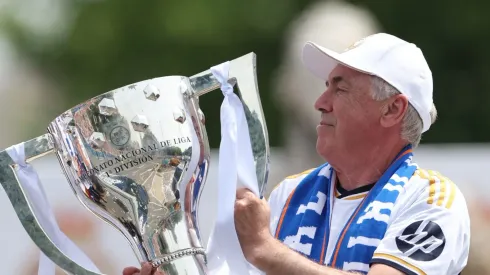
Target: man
x,y
369,209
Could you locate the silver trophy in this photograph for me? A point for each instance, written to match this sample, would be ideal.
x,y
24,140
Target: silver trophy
x,y
137,157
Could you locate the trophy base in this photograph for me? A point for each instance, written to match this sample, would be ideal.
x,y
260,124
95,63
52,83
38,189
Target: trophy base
x,y
183,262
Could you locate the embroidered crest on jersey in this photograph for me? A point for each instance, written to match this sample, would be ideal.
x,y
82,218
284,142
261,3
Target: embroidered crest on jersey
x,y
305,220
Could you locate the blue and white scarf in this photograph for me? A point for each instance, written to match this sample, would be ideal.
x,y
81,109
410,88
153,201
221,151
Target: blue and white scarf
x,y
305,221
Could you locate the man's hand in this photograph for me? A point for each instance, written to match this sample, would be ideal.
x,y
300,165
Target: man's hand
x,y
252,218
146,269
261,249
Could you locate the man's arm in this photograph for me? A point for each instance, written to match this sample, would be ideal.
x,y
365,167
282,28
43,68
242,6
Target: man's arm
x,y
262,250
276,258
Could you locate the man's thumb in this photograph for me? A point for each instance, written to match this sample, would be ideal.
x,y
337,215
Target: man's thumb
x,y
130,270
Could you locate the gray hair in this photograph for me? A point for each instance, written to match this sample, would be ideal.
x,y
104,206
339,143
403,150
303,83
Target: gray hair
x,y
412,123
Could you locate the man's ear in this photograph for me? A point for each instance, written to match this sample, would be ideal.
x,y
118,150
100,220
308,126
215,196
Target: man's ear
x,y
393,110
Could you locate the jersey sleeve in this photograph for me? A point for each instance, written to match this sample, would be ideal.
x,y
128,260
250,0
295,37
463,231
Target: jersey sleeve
x,y
430,234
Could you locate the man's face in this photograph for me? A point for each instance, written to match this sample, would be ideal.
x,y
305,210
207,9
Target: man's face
x,y
350,117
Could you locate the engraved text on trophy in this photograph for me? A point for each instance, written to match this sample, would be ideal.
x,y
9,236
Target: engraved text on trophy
x,y
134,158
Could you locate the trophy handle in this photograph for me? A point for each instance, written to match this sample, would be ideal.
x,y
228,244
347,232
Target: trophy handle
x,y
34,148
243,75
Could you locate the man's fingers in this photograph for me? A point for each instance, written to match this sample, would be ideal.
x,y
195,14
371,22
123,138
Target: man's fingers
x,y
243,193
240,193
245,198
130,270
240,204
147,269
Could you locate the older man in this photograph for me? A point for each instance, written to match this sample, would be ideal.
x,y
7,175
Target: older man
x,y
369,209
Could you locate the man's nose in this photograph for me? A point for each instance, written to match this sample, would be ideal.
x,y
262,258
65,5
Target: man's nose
x,y
324,102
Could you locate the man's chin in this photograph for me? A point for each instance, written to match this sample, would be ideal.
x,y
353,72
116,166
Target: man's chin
x,y
323,147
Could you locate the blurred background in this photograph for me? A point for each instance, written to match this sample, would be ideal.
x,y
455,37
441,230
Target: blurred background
x,y
55,54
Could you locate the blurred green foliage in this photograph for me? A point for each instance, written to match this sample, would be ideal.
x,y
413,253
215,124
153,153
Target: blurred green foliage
x,y
116,42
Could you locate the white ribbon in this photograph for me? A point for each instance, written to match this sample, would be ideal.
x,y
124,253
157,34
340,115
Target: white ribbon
x,y
38,200
236,163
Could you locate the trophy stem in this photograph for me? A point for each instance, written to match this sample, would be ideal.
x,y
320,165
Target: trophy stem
x,y
193,264
178,254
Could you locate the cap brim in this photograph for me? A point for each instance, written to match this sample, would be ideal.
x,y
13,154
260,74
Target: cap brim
x,y
321,61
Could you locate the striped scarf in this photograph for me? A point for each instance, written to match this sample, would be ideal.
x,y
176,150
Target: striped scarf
x,y
305,221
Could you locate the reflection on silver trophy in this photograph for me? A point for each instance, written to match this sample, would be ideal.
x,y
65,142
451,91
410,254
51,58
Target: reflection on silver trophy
x,y
137,157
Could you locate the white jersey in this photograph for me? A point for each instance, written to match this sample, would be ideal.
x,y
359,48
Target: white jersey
x,y
428,231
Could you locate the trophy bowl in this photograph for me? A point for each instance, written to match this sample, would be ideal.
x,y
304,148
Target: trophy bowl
x,y
137,157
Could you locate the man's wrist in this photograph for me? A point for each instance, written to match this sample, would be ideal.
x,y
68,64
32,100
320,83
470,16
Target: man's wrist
x,y
263,253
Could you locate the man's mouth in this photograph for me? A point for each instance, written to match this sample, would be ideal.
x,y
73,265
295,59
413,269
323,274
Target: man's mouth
x,y
325,120
325,123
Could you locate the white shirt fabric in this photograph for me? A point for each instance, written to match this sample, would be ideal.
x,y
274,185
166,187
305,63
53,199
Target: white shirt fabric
x,y
428,231
342,211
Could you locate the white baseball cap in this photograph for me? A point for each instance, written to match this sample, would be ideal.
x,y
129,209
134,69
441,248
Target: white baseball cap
x,y
396,61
